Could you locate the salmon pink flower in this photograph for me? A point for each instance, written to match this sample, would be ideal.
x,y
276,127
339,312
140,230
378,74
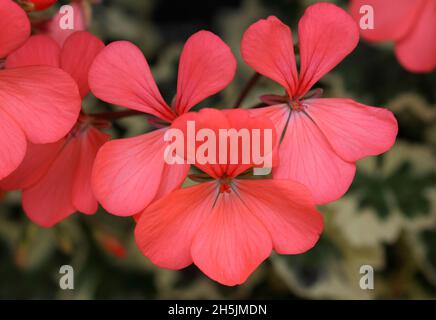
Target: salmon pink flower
x,y
55,178
411,25
322,138
228,225
39,104
130,173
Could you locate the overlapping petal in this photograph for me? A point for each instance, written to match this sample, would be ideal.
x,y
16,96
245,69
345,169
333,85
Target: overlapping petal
x,y
75,57
44,101
306,156
417,51
49,200
59,175
393,19
82,195
198,228
189,146
227,235
78,53
165,231
38,50
230,142
232,242
36,163
173,176
13,144
286,209
128,172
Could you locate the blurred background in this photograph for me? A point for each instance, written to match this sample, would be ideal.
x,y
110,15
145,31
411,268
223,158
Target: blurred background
x,y
387,219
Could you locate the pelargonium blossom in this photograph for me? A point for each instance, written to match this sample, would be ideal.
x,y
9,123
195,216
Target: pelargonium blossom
x,y
227,225
322,137
55,178
39,104
130,173
411,25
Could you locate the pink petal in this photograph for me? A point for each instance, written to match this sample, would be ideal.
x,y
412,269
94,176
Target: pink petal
x,y
227,235
83,196
217,120
206,66
12,144
417,50
37,161
232,242
212,119
173,177
39,50
327,35
78,53
353,129
392,18
49,201
120,75
128,172
307,157
241,119
166,228
60,35
278,114
286,209
268,48
14,27
44,101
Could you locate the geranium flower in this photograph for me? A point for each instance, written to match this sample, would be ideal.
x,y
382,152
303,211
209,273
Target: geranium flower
x,y
411,25
322,138
228,225
39,103
55,178
130,173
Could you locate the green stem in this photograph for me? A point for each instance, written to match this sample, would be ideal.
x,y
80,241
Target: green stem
x,y
248,87
115,115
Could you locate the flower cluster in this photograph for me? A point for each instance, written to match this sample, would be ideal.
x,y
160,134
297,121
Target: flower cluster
x,y
409,24
229,221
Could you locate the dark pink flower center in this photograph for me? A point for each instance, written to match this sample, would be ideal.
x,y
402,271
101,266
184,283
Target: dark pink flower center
x,y
225,184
